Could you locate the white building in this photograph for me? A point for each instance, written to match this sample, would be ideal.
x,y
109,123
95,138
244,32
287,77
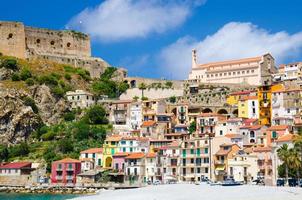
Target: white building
x,y
243,167
136,115
135,168
150,163
133,144
95,154
253,71
80,99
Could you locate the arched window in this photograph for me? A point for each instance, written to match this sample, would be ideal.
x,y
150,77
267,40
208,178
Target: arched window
x,y
252,134
38,41
68,44
52,42
10,36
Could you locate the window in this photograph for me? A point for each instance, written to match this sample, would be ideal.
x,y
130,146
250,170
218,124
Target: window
x,y
206,170
192,160
206,150
252,134
68,44
38,41
221,132
10,36
86,155
52,42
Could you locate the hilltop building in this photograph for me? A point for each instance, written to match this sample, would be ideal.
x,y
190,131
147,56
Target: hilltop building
x,y
252,71
64,46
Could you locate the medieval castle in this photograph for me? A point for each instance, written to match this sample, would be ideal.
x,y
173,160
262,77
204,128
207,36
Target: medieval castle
x,y
67,47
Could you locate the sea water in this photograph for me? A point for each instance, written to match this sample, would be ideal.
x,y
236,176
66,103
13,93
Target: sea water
x,y
6,196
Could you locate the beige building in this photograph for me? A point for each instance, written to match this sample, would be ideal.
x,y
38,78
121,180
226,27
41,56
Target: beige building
x,y
80,99
252,71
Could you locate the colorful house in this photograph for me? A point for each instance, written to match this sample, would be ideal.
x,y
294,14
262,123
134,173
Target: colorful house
x,y
248,107
65,171
110,147
135,168
94,154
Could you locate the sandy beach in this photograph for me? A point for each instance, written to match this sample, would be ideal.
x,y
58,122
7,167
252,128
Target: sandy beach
x,y
204,192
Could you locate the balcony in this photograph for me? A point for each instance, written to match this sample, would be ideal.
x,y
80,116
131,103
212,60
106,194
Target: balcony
x,y
59,177
219,162
181,110
59,169
70,169
69,177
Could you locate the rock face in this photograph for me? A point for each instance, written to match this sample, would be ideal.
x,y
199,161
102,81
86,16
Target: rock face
x,y
50,108
5,73
18,121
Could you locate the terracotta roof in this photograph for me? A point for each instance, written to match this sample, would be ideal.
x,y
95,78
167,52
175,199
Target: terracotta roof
x,y
278,128
249,121
121,154
114,138
262,149
87,159
16,165
232,135
251,127
286,138
230,62
151,155
249,98
136,155
148,123
67,160
181,126
222,152
93,150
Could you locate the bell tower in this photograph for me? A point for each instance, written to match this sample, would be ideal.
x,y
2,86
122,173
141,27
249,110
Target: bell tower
x,y
194,58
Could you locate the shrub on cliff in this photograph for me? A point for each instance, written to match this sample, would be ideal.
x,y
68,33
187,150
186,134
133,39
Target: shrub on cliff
x,y
25,74
30,102
9,63
16,77
95,115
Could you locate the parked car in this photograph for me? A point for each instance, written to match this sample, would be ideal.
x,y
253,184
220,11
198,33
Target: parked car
x,y
258,182
156,182
280,182
292,182
300,183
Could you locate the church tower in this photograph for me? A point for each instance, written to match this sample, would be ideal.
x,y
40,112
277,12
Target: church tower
x,y
194,58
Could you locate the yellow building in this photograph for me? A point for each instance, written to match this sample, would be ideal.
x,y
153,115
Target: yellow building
x,y
110,147
265,98
248,107
234,97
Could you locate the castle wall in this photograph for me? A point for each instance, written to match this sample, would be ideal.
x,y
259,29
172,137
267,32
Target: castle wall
x,y
46,41
12,41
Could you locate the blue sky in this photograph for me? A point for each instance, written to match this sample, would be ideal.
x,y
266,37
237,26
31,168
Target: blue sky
x,y
154,38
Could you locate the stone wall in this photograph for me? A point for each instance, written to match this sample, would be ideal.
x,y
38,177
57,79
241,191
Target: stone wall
x,y
151,93
46,41
134,82
12,40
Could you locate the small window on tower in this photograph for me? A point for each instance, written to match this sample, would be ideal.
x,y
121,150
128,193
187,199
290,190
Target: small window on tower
x,y
68,44
52,42
10,36
38,41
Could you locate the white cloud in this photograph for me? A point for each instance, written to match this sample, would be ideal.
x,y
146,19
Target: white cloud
x,y
115,20
234,40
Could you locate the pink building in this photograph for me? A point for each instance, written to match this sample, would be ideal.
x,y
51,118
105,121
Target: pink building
x,y
65,171
119,161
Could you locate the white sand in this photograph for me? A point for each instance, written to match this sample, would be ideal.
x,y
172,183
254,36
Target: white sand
x,y
200,192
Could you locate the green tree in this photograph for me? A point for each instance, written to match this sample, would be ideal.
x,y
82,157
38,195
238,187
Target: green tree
x,y
142,87
10,63
69,116
192,127
295,161
96,115
284,155
135,98
4,154
169,84
172,99
25,74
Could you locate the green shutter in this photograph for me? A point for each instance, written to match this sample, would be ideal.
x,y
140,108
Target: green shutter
x,y
206,150
274,134
198,152
184,153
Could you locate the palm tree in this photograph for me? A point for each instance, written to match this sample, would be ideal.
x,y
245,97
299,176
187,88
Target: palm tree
x,y
295,161
142,86
283,154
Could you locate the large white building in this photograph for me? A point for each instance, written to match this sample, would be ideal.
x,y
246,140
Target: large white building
x,y
80,99
253,71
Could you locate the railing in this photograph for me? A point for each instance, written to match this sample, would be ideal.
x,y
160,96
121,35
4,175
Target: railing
x,y
69,177
69,169
59,177
59,169
219,162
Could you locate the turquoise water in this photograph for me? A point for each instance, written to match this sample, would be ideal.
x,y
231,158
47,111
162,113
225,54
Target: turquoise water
x,y
4,196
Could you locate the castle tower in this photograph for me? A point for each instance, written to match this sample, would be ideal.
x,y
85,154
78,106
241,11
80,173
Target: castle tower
x,y
12,39
194,58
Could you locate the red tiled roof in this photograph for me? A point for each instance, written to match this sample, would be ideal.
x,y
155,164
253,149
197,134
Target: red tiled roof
x,y
114,138
278,128
148,123
232,135
151,155
262,149
286,138
16,165
230,62
135,155
249,98
67,160
121,154
222,152
249,121
93,150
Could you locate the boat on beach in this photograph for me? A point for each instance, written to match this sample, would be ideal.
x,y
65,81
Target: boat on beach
x,y
230,182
